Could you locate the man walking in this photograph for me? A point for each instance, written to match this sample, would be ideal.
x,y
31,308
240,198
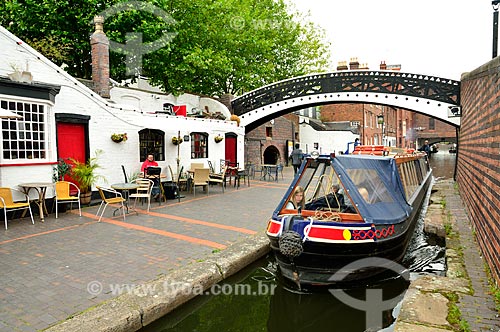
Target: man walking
x,y
296,158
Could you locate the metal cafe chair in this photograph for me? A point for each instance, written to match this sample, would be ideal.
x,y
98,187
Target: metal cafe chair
x,y
124,174
7,203
143,192
153,173
218,178
63,195
110,196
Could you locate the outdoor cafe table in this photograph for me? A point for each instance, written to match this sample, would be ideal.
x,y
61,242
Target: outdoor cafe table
x,y
40,188
269,171
125,188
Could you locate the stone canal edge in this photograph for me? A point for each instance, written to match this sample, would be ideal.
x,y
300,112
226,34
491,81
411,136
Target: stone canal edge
x,y
426,305
133,310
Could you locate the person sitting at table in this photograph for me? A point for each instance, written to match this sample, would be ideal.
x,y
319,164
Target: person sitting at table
x,y
150,162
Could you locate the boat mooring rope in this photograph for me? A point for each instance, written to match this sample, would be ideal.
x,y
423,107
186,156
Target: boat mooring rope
x,y
290,244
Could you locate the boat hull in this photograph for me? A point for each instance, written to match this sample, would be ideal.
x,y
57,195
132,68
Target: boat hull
x,y
323,262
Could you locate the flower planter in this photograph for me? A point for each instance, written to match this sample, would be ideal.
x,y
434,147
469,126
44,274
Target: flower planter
x,y
85,198
117,138
177,140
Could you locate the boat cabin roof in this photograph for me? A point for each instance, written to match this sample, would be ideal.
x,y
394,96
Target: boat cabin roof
x,y
370,183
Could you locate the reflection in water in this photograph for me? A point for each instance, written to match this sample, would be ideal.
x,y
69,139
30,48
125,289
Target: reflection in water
x,y
284,309
321,310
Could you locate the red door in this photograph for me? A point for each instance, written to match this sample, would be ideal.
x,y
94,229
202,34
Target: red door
x,y
71,141
231,148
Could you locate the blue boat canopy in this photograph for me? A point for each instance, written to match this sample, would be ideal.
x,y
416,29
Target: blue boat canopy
x,y
375,187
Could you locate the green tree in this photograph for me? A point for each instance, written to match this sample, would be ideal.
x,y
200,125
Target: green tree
x,y
231,46
221,46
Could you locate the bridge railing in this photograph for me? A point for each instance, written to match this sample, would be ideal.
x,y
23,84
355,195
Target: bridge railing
x,y
388,82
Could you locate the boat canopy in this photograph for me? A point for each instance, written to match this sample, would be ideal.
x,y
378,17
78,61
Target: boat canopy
x,y
375,187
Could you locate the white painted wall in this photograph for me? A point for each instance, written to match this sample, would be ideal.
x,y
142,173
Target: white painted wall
x,y
129,114
328,141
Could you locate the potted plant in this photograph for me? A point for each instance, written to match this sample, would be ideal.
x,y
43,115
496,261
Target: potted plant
x,y
117,138
85,175
218,138
62,169
177,140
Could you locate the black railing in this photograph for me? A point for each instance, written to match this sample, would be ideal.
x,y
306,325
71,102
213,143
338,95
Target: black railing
x,y
387,82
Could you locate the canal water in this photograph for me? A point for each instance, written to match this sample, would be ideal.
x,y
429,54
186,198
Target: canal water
x,y
257,299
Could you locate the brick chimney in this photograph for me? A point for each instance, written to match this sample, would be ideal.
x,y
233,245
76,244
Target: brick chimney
x,y
226,100
99,44
342,65
354,64
383,66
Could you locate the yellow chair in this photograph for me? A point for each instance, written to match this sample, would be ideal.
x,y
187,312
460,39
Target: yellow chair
x,y
110,196
7,203
201,178
63,189
144,191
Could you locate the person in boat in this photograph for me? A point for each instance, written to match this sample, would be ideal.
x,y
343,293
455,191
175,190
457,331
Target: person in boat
x,y
356,143
364,193
426,148
298,199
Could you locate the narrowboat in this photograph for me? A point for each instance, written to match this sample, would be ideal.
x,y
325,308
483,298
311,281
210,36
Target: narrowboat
x,y
355,206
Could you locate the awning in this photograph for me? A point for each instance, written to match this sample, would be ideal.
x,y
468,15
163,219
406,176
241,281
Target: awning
x,y
6,114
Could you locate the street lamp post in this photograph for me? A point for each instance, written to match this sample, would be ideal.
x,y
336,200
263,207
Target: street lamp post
x,y
495,4
380,121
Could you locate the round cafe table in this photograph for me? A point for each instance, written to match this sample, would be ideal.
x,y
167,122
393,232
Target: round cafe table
x,y
125,188
40,188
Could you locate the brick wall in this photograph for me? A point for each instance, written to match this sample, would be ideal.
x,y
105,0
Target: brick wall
x,y
256,142
478,171
441,132
369,129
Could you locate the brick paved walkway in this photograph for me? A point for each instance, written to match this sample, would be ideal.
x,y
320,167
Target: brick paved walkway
x,y
46,268
477,309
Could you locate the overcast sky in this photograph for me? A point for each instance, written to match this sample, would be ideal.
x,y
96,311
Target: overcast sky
x,y
435,37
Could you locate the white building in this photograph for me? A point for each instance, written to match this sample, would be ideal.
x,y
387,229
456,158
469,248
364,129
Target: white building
x,y
325,138
62,117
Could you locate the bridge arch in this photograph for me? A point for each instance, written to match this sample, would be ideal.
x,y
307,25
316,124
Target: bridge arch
x,y
434,96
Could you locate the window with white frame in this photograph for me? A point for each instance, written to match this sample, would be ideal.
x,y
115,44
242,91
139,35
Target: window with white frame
x,y
27,137
199,145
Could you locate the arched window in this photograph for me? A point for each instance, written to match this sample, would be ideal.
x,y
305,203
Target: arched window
x,y
199,145
152,141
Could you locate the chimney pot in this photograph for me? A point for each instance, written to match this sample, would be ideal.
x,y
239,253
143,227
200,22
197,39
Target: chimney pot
x,y
354,64
342,65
